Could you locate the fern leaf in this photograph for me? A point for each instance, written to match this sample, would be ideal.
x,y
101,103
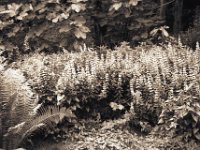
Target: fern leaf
x,y
16,103
46,118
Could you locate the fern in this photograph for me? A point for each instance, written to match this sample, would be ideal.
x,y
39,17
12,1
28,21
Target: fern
x,y
21,108
16,101
45,120
4,96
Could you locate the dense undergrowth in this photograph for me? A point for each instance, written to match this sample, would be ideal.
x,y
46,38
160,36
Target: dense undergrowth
x,y
149,89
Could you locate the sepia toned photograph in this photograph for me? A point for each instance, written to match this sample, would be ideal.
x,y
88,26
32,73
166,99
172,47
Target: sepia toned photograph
x,y
99,74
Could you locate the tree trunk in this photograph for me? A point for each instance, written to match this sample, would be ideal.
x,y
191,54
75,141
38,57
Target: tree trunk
x,y
178,16
162,9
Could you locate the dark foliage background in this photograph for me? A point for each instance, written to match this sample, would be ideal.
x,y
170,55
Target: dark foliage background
x,y
53,25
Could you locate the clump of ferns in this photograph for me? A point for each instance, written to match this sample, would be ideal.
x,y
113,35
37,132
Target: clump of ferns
x,y
17,99
44,122
183,89
46,85
21,116
97,75
75,87
157,63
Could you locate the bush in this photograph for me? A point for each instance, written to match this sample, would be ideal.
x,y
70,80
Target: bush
x,y
156,88
154,82
53,26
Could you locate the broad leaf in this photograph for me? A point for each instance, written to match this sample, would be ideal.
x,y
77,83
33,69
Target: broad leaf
x,y
65,28
78,7
79,34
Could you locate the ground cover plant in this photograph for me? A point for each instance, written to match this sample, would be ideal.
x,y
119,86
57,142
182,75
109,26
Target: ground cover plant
x,y
149,91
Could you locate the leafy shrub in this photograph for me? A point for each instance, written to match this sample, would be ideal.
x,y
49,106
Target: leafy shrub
x,y
157,86
155,83
54,25
21,116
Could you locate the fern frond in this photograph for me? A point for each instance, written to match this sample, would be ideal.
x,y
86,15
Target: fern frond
x,y
16,101
47,118
21,108
4,98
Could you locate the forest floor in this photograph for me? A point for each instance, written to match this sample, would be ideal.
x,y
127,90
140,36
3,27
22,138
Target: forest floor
x,y
115,139
112,136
